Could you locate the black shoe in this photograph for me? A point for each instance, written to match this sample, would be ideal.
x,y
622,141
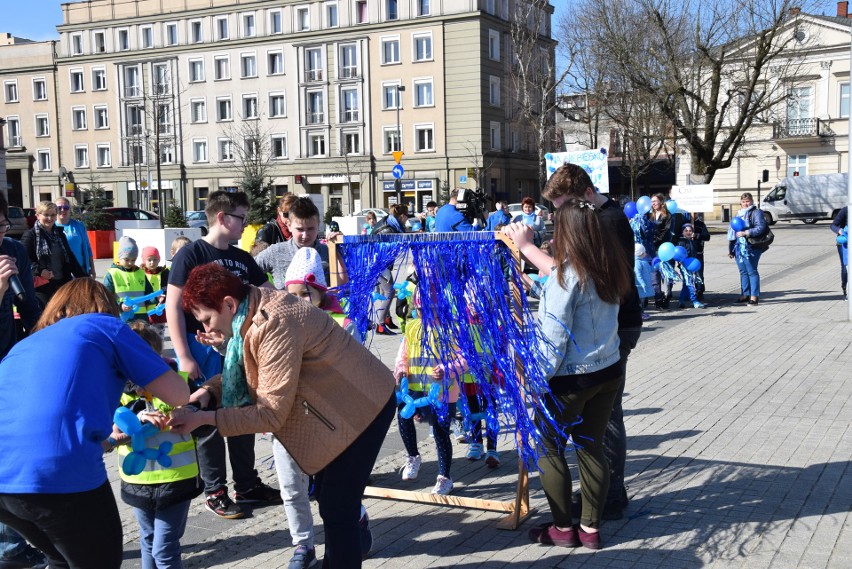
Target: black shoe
x,y
742,299
752,302
221,504
30,557
389,323
384,330
365,536
260,494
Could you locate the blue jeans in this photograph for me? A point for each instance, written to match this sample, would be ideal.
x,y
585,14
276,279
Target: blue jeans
x,y
749,277
11,542
844,277
159,535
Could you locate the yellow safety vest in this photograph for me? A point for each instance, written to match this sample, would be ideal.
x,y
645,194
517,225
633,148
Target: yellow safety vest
x,y
130,284
155,280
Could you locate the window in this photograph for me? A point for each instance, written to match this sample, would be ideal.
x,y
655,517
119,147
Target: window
x,y
844,100
313,64
198,110
99,80
495,135
278,146
249,28
390,96
303,20
135,117
199,151
248,66
135,153
43,160
226,149
275,26
348,61
222,31
251,148
10,88
13,126
275,62
164,119
423,93
104,156
162,83
81,156
250,110
131,82
196,32
77,44
196,70
797,165
42,125
77,84
391,140
39,90
390,50
423,8
315,108
799,111
147,33
316,144
350,106
78,118
494,90
361,14
494,45
223,109
123,40
101,116
99,41
277,105
423,47
223,67
392,12
331,15
350,143
167,153
490,7
171,34
424,138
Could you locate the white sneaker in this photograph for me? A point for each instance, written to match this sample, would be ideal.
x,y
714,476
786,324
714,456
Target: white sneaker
x,y
411,468
443,486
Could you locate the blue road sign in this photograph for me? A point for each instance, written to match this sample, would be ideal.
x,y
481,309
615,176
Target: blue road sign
x,y
398,171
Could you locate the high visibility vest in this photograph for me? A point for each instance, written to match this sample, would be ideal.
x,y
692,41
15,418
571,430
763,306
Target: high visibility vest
x,y
155,280
129,284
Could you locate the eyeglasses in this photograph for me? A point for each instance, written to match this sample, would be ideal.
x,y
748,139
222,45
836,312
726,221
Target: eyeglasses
x,y
48,214
242,218
6,226
63,207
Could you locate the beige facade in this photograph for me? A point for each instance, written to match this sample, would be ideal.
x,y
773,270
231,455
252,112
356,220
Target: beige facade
x,y
326,82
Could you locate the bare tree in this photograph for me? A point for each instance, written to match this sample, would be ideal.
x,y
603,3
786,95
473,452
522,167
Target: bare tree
x,y
481,161
535,80
252,151
352,163
711,68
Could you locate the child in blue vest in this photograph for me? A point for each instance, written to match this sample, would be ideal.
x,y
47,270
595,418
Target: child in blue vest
x,y
687,292
127,280
160,495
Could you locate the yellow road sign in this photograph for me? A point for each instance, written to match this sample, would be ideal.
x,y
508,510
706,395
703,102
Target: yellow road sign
x,y
398,155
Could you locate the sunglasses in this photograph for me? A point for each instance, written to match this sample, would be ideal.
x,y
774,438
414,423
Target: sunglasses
x,y
63,208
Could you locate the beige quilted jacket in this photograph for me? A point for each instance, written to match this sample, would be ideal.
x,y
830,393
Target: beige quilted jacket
x,y
313,385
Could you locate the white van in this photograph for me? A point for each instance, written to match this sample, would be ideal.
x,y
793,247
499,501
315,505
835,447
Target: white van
x,y
807,198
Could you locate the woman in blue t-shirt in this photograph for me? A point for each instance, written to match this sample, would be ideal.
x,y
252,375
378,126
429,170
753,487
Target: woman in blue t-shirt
x,y
58,390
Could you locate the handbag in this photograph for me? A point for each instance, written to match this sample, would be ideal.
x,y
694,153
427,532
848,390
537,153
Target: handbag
x,y
763,241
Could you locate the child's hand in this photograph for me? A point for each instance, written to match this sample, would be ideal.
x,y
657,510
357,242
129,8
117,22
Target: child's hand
x,y
161,299
125,308
398,374
438,372
156,418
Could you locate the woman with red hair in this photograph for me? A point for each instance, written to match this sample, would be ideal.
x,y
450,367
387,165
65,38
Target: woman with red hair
x,y
530,217
291,370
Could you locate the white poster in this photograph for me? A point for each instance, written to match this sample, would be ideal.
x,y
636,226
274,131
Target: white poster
x,y
697,198
594,162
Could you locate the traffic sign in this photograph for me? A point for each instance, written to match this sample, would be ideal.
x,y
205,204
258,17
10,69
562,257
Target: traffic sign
x,y
462,179
398,171
397,155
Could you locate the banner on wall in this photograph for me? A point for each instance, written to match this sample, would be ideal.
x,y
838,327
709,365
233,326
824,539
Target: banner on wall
x,y
594,162
697,198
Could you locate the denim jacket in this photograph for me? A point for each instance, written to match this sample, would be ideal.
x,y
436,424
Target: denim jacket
x,y
582,329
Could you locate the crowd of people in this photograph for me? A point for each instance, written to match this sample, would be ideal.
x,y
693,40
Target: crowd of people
x,y
263,345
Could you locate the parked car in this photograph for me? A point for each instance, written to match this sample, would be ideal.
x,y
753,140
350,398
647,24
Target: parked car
x,y
18,221
30,214
380,213
197,219
126,214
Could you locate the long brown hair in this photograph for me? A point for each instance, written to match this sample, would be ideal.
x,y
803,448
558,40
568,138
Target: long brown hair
x,y
595,255
80,296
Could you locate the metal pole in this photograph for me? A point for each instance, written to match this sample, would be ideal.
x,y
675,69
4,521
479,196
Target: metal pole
x,y
849,187
399,89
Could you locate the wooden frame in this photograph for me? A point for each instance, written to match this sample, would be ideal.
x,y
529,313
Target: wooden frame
x,y
517,510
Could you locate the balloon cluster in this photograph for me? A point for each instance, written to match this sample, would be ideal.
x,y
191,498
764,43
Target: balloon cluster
x,y
134,463
668,252
433,397
643,206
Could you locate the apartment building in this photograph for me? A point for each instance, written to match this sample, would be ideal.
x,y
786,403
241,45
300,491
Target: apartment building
x,y
169,100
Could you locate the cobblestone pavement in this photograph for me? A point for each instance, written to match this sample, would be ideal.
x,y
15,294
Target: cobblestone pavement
x,y
739,444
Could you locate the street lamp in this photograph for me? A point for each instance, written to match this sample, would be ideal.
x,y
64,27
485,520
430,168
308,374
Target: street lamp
x,y
397,181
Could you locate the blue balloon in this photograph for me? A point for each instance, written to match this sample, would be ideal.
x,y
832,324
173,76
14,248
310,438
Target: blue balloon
x,y
666,252
680,254
630,210
415,226
643,205
738,224
671,205
655,262
692,264
842,239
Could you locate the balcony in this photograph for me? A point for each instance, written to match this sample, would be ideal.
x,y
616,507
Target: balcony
x,y
161,89
801,128
313,74
16,142
316,118
349,72
350,116
132,91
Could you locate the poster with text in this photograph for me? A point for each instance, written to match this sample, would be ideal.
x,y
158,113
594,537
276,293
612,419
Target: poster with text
x,y
697,198
594,162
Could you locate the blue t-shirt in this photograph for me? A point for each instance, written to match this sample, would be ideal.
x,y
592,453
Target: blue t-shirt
x,y
449,218
59,389
78,241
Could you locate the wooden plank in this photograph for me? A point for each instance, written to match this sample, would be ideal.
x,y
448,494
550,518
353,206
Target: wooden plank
x,y
439,500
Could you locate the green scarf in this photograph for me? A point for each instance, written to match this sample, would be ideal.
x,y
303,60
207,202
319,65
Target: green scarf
x,y
234,387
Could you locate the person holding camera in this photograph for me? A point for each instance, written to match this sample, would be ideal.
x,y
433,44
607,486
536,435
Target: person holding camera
x,y
450,218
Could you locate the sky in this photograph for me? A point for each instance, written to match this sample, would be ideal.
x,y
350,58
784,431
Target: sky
x,y
37,19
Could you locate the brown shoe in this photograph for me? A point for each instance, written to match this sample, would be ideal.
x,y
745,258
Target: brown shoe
x,y
547,534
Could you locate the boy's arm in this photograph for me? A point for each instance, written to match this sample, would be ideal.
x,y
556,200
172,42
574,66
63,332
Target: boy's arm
x,y
177,331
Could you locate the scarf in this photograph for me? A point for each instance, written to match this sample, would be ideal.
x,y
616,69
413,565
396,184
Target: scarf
x,y
234,387
44,240
528,218
394,223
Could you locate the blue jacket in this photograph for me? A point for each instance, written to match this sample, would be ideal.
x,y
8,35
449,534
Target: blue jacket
x,y
755,227
644,284
497,218
582,328
448,218
841,220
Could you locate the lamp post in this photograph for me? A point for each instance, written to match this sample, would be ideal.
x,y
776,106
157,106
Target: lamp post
x,y
398,182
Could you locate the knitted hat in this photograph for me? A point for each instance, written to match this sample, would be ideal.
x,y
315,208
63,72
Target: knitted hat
x,y
306,268
639,250
150,252
686,225
127,248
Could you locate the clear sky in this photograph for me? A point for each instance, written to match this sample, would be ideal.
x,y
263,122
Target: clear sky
x,y
37,19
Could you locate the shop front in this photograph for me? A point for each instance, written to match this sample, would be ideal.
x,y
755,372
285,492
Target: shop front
x,y
415,194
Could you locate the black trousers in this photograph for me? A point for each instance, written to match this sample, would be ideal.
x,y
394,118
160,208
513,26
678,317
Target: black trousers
x,y
75,531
